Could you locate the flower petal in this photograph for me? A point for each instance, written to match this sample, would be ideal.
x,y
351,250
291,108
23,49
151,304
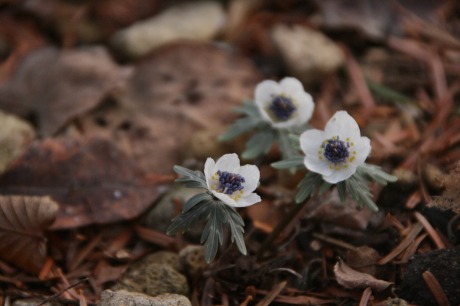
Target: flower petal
x,y
228,162
248,200
290,86
313,163
311,140
340,175
305,107
208,168
251,176
264,93
224,198
343,125
363,148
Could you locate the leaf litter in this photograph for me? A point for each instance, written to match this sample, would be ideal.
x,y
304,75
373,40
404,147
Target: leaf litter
x,y
121,126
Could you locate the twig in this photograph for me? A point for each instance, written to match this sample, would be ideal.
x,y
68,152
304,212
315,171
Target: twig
x,y
435,288
272,294
430,230
281,226
54,296
334,241
367,295
403,244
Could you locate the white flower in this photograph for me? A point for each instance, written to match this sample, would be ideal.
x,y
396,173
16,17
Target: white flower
x,y
336,152
284,104
232,184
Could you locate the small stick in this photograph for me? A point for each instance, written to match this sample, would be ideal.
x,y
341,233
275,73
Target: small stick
x,y
367,295
435,288
334,241
430,230
272,294
54,296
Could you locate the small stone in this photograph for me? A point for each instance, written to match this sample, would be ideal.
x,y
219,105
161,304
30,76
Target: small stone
x,y
192,258
153,279
159,218
434,177
161,257
309,55
15,135
126,298
199,21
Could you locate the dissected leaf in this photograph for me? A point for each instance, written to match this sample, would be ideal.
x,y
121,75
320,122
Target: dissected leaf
x,y
56,86
358,189
293,162
22,222
191,179
307,186
91,180
352,279
259,143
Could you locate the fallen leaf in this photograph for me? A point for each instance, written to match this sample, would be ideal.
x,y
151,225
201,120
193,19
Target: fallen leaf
x,y
178,90
56,86
91,179
22,222
352,279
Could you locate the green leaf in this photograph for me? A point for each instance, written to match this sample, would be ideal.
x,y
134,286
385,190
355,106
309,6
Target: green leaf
x,y
213,234
375,173
191,179
294,162
307,186
259,144
342,190
288,151
195,200
236,224
240,126
325,186
295,141
250,109
359,191
186,220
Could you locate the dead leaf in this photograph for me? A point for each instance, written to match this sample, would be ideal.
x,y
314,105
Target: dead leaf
x,y
92,180
56,86
352,279
22,222
178,90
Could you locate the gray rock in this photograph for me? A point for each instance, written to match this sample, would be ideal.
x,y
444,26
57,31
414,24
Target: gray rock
x,y
125,298
199,21
153,279
159,218
161,257
309,55
192,258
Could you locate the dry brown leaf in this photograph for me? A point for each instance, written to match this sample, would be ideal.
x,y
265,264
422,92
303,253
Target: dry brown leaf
x,y
352,279
56,86
22,222
91,179
178,90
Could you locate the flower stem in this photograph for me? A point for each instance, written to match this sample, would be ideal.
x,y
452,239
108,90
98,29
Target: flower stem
x,y
292,215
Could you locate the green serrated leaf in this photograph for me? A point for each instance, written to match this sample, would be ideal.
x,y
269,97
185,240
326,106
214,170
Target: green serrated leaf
x,y
259,144
190,178
213,233
240,126
195,200
186,220
359,191
285,146
375,173
342,191
294,162
307,186
236,224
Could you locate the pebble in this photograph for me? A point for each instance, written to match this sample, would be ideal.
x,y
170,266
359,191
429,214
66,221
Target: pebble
x,y
199,21
126,298
192,258
153,279
309,55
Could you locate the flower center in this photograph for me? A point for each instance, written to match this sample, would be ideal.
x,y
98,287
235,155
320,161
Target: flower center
x,y
229,182
282,107
336,150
